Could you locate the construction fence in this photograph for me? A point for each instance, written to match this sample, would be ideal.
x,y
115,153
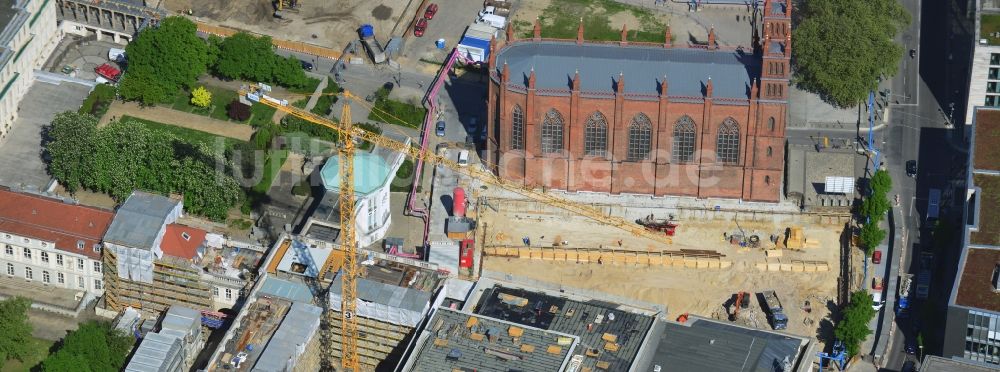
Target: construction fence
x,y
692,259
295,46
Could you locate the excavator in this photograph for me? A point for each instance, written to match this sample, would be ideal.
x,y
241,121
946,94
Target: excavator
x,y
350,360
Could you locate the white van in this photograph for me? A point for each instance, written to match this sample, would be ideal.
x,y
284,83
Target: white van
x,y
463,157
877,300
116,55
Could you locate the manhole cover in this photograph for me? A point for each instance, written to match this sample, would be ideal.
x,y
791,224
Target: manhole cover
x,y
382,12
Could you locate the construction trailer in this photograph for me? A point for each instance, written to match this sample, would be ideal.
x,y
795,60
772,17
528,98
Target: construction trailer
x,y
474,47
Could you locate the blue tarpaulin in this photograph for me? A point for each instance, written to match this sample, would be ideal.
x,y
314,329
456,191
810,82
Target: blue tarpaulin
x,y
477,43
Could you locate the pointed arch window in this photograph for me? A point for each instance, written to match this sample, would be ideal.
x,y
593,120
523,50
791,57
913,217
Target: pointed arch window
x,y
595,136
552,132
727,147
683,149
517,128
640,133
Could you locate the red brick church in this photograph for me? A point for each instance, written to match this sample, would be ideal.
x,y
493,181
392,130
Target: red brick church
x,y
643,118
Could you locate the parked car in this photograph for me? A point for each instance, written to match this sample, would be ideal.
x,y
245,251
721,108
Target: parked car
x,y
418,29
439,129
911,168
432,9
463,157
306,65
877,257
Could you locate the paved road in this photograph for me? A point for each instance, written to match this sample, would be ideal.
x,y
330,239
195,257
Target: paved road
x,y
918,130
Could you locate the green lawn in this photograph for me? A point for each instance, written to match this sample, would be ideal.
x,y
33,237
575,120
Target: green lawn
x,y
988,25
404,177
275,158
261,114
189,135
327,99
395,112
39,350
98,100
309,88
217,110
562,18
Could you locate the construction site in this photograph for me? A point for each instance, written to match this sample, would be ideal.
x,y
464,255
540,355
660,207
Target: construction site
x,y
394,295
708,260
322,23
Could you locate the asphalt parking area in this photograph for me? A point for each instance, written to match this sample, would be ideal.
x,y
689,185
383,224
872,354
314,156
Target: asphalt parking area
x,y
452,17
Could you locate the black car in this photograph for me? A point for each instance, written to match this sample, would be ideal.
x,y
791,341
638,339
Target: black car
x,y
909,366
307,66
911,168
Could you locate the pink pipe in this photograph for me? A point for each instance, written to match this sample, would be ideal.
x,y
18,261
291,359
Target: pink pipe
x,y
431,100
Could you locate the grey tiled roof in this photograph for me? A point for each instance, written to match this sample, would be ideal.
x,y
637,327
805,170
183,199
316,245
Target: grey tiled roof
x,y
574,317
708,346
643,67
448,328
137,222
292,290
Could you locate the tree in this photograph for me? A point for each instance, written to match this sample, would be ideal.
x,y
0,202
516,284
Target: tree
x,y
248,57
244,56
68,146
881,182
871,236
875,206
94,346
853,326
163,59
238,111
201,97
842,47
16,341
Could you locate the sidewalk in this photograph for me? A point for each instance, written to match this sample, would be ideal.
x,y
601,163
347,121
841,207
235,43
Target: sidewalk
x,y
179,118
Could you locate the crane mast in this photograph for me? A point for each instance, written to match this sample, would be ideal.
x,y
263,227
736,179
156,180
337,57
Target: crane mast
x,y
348,304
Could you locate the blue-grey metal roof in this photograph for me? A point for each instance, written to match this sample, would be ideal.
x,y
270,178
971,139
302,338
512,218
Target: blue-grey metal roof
x,y
138,221
7,12
157,353
183,319
387,294
708,346
289,341
643,67
295,291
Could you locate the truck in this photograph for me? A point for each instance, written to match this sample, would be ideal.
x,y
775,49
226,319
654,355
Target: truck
x,y
775,314
493,20
475,43
933,204
505,4
503,12
107,74
375,50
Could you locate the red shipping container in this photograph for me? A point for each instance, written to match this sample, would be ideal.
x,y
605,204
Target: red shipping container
x,y
467,249
458,205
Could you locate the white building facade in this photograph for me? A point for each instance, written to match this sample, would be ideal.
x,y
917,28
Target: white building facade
x,y
28,38
40,261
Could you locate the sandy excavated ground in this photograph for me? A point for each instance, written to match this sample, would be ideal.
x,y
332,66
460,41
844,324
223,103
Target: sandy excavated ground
x,y
329,24
695,291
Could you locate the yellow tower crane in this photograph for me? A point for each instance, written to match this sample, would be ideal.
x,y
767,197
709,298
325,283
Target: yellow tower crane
x,y
350,360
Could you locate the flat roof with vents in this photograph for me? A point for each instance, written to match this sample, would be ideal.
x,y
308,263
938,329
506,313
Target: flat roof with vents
x,y
610,334
455,340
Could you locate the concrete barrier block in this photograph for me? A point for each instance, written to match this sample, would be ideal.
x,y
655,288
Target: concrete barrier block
x,y
761,266
725,264
787,267
572,255
713,264
773,266
823,267
796,267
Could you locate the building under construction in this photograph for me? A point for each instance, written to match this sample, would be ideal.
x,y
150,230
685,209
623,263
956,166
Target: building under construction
x,y
395,294
153,262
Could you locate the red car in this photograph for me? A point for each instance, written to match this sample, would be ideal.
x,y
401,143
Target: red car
x,y
877,257
418,29
431,11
